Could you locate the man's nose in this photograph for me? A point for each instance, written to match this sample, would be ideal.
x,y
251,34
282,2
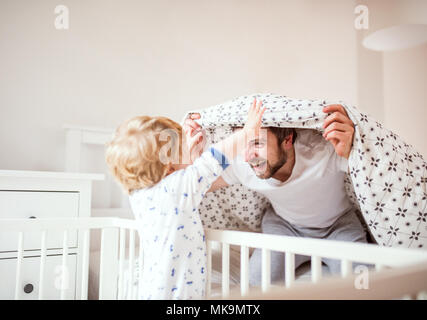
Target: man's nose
x,y
250,154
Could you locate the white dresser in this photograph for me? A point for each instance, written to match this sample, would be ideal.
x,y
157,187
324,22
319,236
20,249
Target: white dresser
x,y
33,195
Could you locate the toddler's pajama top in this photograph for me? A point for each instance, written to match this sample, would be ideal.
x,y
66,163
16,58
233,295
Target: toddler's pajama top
x,y
174,246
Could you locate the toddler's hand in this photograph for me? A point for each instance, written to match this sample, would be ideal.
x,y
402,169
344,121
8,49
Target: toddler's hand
x,y
237,142
253,123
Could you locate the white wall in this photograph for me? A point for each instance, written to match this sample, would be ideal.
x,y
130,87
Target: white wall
x,y
405,80
370,83
405,92
123,58
392,86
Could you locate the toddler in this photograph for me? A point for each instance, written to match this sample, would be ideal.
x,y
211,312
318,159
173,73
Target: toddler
x,y
147,156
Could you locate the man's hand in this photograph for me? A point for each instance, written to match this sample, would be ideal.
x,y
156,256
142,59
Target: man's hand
x,y
339,129
195,136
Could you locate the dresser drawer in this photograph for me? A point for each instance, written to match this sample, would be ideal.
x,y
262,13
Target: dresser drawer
x,y
35,204
30,274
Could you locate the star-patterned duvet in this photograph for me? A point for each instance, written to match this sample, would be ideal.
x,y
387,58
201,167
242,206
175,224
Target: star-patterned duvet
x,y
386,181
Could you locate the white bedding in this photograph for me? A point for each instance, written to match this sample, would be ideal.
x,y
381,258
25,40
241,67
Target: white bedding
x,y
387,179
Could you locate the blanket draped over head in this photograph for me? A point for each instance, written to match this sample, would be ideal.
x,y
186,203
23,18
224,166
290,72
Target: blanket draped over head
x,y
386,178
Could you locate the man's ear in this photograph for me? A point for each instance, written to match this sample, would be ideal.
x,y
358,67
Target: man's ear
x,y
287,143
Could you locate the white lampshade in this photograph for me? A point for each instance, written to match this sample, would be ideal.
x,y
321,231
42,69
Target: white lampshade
x,y
397,37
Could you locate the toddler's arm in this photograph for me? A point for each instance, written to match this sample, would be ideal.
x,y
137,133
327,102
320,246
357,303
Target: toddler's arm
x,y
195,180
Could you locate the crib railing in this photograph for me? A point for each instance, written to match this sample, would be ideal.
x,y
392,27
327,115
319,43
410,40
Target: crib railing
x,y
118,239
120,243
408,282
381,257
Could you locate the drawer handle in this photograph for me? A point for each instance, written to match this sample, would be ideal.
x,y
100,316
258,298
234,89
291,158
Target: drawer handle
x,y
28,288
32,217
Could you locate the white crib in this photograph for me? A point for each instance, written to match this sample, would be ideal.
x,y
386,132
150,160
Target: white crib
x,y
398,273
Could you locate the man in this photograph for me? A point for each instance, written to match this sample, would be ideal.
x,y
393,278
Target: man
x,y
302,175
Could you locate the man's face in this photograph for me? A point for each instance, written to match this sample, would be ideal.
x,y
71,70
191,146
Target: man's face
x,y
264,155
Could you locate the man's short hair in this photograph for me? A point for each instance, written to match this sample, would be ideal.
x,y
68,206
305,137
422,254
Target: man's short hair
x,y
282,133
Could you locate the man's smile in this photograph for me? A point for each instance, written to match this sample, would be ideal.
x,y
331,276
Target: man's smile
x,y
258,165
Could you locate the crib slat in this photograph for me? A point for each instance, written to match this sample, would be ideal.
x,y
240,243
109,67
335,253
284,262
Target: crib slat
x,y
289,269
208,267
244,270
131,262
316,268
346,266
121,262
64,274
19,265
225,269
140,265
42,264
85,264
108,267
265,269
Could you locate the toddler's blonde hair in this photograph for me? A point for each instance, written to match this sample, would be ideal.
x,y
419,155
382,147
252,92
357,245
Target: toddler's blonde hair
x,y
134,155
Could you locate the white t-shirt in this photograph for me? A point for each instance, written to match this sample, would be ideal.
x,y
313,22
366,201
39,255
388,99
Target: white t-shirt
x,y
314,195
